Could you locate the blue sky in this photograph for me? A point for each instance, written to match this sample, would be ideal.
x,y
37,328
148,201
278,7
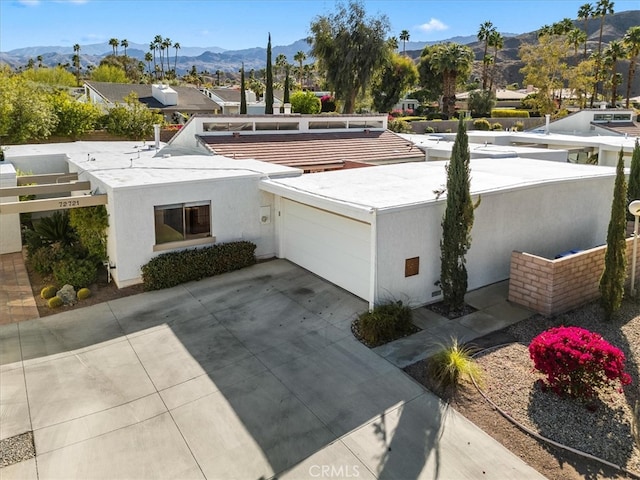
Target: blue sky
x,y
236,24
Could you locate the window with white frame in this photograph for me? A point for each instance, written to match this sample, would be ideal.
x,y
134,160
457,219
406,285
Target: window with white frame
x,y
182,221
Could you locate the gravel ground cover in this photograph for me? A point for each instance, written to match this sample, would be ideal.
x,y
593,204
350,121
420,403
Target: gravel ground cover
x,y
16,449
601,428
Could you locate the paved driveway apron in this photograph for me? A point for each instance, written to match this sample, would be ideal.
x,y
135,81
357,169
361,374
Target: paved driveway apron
x,y
252,374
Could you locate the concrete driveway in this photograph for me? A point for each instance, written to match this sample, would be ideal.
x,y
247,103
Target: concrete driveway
x,y
249,375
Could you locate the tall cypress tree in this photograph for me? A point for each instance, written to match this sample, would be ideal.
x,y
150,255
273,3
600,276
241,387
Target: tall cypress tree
x,y
633,193
285,96
268,96
243,93
615,260
456,223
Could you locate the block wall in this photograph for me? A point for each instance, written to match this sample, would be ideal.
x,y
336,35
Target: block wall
x,y
550,287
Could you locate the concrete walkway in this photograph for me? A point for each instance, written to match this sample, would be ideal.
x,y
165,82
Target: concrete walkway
x,y
493,312
16,298
252,374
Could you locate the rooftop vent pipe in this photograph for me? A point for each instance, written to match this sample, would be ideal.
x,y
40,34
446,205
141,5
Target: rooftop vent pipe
x,y
156,135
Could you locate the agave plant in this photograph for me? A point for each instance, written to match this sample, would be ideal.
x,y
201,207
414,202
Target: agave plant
x,y
56,229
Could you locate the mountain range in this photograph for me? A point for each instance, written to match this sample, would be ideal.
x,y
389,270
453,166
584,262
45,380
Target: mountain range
x,y
204,58
210,59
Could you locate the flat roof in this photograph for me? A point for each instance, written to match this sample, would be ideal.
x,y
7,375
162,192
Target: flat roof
x,y
358,192
135,164
439,143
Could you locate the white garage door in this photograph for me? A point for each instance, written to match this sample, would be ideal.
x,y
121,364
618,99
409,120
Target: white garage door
x,y
332,246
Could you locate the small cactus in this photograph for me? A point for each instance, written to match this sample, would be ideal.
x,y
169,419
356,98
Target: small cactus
x,y
48,292
83,293
55,302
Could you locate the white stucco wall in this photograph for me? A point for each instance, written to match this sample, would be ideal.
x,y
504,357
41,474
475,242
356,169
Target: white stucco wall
x,y
235,215
10,240
39,164
545,220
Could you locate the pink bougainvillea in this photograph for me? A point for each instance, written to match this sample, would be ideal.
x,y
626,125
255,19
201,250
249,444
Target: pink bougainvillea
x,y
577,362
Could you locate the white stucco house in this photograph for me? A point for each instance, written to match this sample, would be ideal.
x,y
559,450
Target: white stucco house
x,y
373,231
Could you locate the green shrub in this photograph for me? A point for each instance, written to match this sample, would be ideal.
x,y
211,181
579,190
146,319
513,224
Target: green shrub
x,y
481,124
429,129
518,126
76,272
399,126
385,323
509,113
48,292
44,259
496,126
83,293
453,362
55,302
173,268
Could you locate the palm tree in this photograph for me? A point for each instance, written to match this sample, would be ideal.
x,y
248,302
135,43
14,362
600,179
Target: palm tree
x,y
281,63
603,8
496,40
124,44
451,60
114,42
484,32
76,61
148,57
175,60
612,54
392,42
631,41
576,37
166,43
404,38
300,57
157,44
584,12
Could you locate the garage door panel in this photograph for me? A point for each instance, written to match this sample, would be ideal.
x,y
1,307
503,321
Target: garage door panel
x,y
334,247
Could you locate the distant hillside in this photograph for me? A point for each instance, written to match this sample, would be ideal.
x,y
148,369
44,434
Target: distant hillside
x,y
210,59
509,65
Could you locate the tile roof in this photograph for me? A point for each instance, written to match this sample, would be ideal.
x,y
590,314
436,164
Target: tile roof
x,y
316,151
189,98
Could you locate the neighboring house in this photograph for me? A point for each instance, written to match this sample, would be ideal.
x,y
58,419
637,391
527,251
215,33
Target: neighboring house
x,y
228,100
504,99
590,136
176,104
593,122
406,104
310,142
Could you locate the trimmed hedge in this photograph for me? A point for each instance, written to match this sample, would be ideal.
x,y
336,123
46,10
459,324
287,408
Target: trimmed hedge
x,y
173,268
509,113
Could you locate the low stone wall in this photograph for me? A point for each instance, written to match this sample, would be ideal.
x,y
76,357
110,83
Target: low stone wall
x,y
550,287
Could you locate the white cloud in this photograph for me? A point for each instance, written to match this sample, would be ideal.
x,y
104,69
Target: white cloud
x,y
29,3
433,25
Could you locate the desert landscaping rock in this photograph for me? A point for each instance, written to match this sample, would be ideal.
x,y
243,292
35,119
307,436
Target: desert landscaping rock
x,y
16,449
68,295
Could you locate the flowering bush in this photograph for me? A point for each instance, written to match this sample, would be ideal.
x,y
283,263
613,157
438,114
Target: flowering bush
x,y
577,362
